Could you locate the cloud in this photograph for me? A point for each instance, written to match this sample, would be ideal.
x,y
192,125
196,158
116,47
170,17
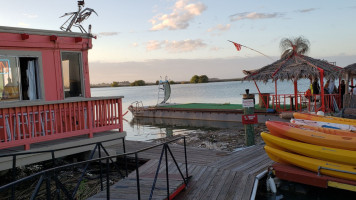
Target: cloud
x,y
176,46
22,24
31,16
183,12
184,46
215,49
306,10
254,15
153,45
220,27
103,34
135,44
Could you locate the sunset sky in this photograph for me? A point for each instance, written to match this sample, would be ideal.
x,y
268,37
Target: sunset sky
x,y
146,39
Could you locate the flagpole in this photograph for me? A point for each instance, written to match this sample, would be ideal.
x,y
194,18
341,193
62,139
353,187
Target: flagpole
x,y
252,50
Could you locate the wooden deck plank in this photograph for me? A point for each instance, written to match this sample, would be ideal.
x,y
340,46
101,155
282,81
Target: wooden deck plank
x,y
232,189
220,185
202,183
227,184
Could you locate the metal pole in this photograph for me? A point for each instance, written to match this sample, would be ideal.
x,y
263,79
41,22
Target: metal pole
x,y
48,187
54,174
107,179
167,177
185,157
125,157
101,168
13,177
137,178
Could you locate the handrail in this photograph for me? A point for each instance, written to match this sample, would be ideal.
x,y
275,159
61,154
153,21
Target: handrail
x,y
25,123
285,102
50,173
15,104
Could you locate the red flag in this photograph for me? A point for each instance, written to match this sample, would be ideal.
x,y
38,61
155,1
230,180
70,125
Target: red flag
x,y
238,46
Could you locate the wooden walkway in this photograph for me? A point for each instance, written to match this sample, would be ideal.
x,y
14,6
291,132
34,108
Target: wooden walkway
x,y
215,174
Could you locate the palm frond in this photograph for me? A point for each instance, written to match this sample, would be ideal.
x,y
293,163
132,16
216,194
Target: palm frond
x,y
290,46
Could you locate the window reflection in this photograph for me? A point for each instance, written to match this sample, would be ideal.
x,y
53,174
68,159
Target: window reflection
x,y
71,71
9,79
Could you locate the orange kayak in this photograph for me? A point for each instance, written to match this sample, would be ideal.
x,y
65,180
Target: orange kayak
x,y
329,130
296,132
330,119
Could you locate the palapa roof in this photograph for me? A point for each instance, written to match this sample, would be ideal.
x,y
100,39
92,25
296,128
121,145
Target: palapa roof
x,y
351,69
295,66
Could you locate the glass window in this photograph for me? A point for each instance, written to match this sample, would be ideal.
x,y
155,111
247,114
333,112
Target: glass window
x,y
9,78
71,71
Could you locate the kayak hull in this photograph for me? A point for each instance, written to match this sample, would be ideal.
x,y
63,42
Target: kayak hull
x,y
319,166
345,127
296,132
319,152
330,119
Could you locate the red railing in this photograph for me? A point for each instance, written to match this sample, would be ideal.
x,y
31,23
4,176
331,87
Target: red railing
x,y
286,102
24,123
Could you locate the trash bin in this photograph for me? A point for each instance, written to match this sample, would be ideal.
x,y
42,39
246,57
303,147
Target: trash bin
x,y
265,97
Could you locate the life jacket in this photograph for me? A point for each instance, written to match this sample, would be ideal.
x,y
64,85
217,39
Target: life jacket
x,y
308,93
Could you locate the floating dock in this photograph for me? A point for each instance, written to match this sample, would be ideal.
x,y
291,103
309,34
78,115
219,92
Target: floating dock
x,y
202,111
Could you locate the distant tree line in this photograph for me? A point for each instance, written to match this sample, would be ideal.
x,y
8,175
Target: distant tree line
x,y
194,79
170,82
199,79
138,83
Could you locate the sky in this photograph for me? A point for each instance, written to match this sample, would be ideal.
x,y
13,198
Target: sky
x,y
150,39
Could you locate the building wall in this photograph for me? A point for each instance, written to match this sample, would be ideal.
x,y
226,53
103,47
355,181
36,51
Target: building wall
x,y
50,52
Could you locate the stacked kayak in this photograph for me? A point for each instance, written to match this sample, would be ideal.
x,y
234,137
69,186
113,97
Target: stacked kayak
x,y
324,124
329,138
328,151
320,118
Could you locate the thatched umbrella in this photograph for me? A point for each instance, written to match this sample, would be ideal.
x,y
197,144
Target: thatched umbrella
x,y
350,72
293,65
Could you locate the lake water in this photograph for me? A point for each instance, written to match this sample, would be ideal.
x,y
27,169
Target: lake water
x,y
218,92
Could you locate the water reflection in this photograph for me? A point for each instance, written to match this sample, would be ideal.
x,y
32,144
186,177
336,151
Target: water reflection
x,y
170,127
184,123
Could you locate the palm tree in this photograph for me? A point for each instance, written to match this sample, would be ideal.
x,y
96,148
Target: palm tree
x,y
292,46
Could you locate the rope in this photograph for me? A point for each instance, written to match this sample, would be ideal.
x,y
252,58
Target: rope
x,y
125,113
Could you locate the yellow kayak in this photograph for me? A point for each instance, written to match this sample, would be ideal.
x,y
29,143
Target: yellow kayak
x,y
319,152
324,167
330,119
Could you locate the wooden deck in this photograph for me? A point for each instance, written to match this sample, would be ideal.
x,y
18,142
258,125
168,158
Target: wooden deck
x,y
215,174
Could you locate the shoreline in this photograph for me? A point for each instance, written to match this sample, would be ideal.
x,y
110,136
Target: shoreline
x,y
104,85
222,139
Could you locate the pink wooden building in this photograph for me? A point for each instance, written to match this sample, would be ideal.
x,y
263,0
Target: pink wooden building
x,y
45,89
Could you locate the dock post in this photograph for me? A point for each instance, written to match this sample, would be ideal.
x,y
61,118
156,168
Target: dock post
x,y
248,103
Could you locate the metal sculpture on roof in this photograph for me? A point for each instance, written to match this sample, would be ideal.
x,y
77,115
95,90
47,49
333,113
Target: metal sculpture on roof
x,y
76,18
